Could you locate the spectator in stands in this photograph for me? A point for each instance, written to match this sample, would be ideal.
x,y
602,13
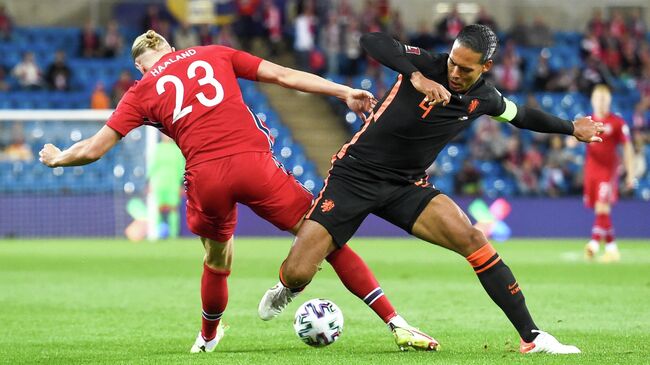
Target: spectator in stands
x,y
592,74
58,74
507,74
543,73
165,29
423,38
643,86
121,86
468,180
113,41
527,181
331,42
90,45
18,149
152,18
449,27
273,26
590,46
226,37
185,36
636,26
513,158
304,43
396,27
574,153
534,157
486,19
488,143
370,15
28,73
249,21
6,24
352,50
597,24
4,84
345,12
540,34
630,61
205,35
99,99
611,56
554,173
617,26
520,31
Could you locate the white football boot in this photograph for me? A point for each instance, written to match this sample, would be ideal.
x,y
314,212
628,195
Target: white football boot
x,y
201,345
274,301
545,343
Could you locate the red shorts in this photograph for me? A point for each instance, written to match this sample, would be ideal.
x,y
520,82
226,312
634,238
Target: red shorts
x,y
600,189
254,179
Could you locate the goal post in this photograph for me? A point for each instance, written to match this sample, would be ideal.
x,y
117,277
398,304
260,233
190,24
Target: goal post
x,y
99,199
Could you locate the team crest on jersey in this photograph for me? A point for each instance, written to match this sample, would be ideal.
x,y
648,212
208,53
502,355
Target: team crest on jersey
x,y
327,205
412,50
472,105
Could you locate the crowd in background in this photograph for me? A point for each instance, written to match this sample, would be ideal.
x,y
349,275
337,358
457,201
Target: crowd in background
x,y
323,36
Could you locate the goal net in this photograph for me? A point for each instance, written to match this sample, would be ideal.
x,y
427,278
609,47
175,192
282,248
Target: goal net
x,y
99,199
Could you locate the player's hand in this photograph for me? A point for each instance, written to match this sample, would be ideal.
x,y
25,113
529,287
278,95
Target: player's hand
x,y
434,92
586,130
360,101
49,154
630,182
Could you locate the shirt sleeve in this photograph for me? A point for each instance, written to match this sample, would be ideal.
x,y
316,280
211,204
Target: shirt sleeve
x,y
504,110
245,65
127,116
624,133
389,52
500,108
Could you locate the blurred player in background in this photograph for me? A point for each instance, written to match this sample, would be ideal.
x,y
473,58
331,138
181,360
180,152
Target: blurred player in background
x,y
165,181
601,174
382,170
192,95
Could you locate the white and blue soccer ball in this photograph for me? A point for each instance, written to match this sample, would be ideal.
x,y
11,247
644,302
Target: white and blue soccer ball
x,y
318,322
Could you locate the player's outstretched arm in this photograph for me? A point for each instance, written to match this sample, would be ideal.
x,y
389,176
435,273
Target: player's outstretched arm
x,y
393,54
360,101
584,129
81,153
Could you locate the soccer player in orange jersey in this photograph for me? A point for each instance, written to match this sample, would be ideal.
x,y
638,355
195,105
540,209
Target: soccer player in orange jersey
x,y
601,174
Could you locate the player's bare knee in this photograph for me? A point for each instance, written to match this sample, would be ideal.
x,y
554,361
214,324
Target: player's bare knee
x,y
475,240
296,275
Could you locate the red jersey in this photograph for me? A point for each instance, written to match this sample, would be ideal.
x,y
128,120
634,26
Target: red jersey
x,y
193,96
602,158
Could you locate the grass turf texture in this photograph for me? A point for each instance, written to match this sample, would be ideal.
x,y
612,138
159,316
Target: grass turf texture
x,y
114,302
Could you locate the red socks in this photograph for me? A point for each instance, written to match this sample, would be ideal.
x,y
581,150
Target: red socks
x,y
214,297
359,279
602,228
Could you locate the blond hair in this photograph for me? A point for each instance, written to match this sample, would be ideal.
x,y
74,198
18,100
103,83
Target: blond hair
x,y
148,40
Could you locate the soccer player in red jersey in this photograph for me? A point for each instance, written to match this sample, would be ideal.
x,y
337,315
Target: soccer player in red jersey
x,y
192,96
601,174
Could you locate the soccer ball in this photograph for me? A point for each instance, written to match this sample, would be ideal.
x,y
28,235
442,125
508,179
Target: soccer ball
x,y
318,322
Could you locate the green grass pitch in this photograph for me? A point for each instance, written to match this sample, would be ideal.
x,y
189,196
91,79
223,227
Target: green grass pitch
x,y
114,302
